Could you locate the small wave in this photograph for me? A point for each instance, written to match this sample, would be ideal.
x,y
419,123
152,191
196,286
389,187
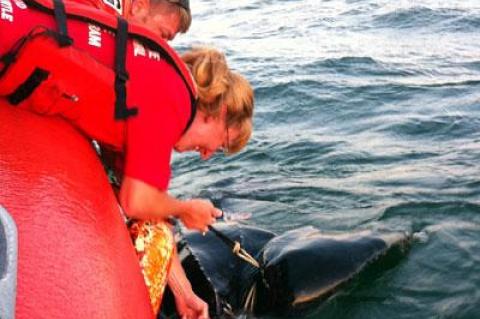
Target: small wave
x,y
286,90
423,236
347,60
469,23
470,82
434,128
419,17
289,102
362,66
425,214
474,65
366,158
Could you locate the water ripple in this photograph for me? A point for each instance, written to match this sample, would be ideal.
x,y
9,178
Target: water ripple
x,y
366,116
424,17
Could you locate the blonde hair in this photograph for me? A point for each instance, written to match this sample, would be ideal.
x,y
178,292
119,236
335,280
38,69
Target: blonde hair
x,y
217,85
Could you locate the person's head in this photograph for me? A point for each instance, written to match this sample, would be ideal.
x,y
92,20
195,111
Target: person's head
x,y
166,18
224,109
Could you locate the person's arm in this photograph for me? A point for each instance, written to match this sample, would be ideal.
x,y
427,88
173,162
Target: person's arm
x,y
143,201
189,305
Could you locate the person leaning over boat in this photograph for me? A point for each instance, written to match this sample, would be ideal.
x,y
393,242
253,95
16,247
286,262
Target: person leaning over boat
x,y
223,94
166,18
154,240
160,116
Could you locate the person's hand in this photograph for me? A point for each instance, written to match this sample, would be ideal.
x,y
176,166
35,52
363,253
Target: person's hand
x,y
192,307
189,305
200,214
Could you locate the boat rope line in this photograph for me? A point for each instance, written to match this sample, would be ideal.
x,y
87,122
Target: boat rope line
x,y
236,247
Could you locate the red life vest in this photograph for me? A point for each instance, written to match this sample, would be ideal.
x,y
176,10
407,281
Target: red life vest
x,y
117,7
45,66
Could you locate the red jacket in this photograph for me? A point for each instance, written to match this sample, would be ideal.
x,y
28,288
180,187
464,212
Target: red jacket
x,y
117,7
77,81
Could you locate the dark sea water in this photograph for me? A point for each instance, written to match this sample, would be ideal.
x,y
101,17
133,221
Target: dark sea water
x,y
367,116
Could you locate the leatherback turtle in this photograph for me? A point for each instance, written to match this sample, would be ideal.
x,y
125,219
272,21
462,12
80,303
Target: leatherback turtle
x,y
298,268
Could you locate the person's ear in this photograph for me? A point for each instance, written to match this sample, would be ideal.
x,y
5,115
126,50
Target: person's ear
x,y
139,9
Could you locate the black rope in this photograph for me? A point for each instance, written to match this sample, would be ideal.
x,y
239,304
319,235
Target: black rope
x,y
11,55
229,242
193,111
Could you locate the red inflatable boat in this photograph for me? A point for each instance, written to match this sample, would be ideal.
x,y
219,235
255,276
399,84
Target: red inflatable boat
x,y
75,257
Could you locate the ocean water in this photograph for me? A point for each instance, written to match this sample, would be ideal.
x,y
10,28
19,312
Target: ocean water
x,y
367,116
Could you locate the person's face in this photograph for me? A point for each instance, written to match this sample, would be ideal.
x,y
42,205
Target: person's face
x,y
206,136
165,25
161,19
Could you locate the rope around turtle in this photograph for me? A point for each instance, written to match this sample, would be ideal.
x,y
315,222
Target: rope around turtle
x,y
236,247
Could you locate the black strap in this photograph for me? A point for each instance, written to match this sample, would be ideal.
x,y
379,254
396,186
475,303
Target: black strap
x,y
7,59
11,56
121,75
26,89
61,19
193,112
